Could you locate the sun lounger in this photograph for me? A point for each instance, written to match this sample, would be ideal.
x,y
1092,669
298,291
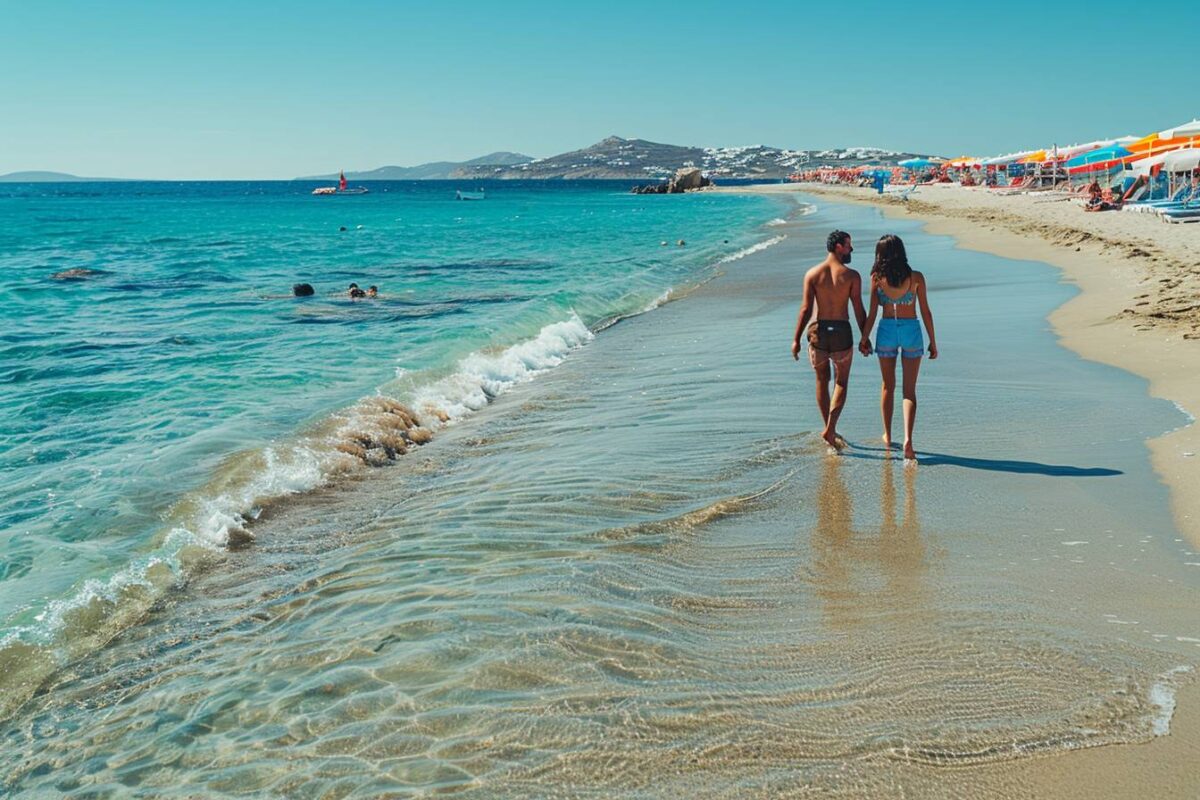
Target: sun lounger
x,y
1185,197
1181,215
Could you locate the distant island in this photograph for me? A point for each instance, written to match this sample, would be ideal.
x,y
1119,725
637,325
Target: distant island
x,y
434,170
42,176
635,159
638,159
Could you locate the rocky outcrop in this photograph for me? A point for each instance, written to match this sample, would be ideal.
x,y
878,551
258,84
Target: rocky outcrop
x,y
687,179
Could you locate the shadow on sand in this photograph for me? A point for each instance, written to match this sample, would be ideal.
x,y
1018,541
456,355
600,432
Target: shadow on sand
x,y
998,465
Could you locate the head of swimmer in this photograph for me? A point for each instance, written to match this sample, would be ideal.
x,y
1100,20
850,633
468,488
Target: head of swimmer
x,y
373,291
838,244
354,291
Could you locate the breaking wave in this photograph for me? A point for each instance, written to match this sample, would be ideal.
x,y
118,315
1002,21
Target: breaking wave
x,y
219,517
754,248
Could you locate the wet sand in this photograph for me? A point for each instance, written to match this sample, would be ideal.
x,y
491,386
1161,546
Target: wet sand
x,y
1139,281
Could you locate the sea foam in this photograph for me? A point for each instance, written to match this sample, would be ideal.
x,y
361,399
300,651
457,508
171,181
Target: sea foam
x,y
371,432
1162,697
754,248
480,377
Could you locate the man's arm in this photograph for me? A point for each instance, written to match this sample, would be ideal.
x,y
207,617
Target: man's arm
x,y
860,314
806,309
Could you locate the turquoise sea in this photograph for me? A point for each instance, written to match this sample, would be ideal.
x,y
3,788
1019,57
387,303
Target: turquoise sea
x,y
178,388
624,565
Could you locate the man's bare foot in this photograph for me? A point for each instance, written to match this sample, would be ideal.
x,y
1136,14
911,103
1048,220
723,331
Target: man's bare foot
x,y
833,440
887,441
909,452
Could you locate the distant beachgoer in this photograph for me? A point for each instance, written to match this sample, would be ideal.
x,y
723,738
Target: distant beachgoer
x,y
898,288
373,291
302,290
1104,200
354,292
832,286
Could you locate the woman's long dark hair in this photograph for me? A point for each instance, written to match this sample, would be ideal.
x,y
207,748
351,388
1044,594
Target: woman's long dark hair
x,y
891,262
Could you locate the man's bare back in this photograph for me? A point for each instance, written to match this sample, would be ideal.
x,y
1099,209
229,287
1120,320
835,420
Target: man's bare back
x,y
832,284
829,289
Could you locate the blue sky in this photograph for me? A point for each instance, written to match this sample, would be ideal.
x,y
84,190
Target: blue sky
x,y
219,89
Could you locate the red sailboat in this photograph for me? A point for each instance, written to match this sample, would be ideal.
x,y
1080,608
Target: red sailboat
x,y
341,188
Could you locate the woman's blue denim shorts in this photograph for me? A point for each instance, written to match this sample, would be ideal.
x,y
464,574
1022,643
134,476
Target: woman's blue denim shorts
x,y
899,337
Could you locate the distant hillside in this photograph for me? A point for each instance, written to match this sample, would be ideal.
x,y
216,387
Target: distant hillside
x,y
638,159
435,170
41,176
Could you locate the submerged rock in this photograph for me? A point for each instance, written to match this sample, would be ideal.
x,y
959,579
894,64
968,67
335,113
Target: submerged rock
x,y
77,274
238,538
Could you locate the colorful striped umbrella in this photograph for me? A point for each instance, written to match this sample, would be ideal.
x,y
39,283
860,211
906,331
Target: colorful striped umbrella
x,y
1104,158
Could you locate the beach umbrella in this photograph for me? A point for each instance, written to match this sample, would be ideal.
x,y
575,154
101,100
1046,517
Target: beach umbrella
x,y
1154,143
919,163
1182,160
1188,129
1104,158
1147,165
1067,153
1036,157
1010,158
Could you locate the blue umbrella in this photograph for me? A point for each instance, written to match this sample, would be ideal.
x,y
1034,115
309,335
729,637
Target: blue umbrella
x,y
1097,156
918,163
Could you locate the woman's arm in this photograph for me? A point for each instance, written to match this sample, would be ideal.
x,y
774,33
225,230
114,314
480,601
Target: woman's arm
x,y
864,346
926,314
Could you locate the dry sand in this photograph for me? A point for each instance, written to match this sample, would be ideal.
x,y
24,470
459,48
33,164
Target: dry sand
x,y
1138,309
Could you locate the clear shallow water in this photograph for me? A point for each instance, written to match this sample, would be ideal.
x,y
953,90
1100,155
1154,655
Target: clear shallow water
x,y
156,405
640,575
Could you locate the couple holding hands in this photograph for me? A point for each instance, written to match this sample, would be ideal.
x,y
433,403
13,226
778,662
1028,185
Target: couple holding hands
x,y
898,290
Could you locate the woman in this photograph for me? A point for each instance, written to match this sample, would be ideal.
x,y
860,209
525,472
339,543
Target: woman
x,y
898,289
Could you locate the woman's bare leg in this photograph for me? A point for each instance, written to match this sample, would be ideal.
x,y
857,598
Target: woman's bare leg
x,y
911,367
887,395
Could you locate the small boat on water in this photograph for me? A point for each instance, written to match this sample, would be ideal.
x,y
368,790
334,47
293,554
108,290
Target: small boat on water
x,y
341,188
461,195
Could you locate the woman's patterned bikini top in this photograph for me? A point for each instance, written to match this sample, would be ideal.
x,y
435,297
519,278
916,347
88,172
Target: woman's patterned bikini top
x,y
903,300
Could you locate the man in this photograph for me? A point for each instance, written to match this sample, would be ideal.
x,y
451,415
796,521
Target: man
x,y
832,286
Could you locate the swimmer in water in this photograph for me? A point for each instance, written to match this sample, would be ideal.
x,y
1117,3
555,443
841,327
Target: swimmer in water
x,y
373,292
354,292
